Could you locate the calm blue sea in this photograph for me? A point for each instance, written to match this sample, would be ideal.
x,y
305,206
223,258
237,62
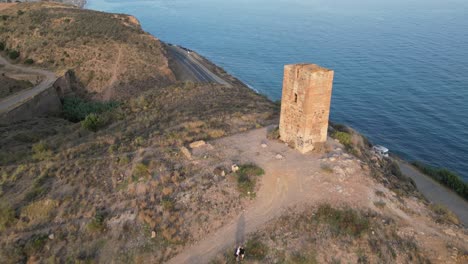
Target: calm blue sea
x,y
401,67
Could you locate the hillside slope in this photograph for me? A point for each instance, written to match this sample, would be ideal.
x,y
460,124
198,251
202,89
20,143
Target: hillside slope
x,y
111,56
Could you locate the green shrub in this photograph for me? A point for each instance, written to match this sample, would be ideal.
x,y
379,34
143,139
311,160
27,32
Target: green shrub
x,y
29,61
246,179
343,137
92,122
446,177
97,224
41,151
35,243
255,249
250,170
140,171
76,109
343,221
20,12
7,216
13,54
2,46
5,17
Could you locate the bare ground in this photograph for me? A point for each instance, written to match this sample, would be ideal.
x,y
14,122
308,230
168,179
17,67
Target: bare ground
x,y
301,180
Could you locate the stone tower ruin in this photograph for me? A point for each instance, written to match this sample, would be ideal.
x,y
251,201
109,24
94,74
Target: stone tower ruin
x,y
305,105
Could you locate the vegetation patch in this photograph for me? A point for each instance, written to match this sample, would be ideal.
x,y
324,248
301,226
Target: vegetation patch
x,y
76,109
41,151
343,221
256,249
448,178
247,179
443,215
343,137
7,216
13,54
39,211
93,122
36,243
97,224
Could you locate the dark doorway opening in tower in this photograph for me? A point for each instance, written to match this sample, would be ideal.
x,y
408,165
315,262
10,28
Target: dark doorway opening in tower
x,y
295,97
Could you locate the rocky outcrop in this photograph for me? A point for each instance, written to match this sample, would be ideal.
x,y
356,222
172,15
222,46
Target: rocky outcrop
x,y
67,85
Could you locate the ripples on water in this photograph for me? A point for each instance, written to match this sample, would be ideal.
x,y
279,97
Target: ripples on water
x,y
401,68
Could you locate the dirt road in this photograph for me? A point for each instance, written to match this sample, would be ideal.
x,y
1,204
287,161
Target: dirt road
x,y
288,181
9,103
437,193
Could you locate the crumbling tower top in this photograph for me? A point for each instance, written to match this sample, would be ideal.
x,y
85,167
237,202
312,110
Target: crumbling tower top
x,y
305,105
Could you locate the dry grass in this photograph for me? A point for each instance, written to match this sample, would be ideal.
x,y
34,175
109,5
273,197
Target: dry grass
x,y
87,42
39,211
329,235
11,86
132,162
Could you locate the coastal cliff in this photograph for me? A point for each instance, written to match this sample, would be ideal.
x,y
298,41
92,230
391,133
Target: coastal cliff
x,y
166,171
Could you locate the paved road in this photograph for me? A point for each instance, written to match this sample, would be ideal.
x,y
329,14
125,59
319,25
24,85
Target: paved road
x,y
10,102
437,193
195,67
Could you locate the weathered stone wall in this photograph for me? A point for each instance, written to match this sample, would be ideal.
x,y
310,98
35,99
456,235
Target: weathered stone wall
x,y
305,105
46,103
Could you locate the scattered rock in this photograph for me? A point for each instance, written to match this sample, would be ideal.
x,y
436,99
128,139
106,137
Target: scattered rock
x,y
234,168
197,144
186,153
264,145
219,171
449,232
153,234
279,156
51,236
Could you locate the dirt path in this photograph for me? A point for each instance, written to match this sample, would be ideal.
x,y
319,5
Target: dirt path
x,y
10,102
437,193
294,179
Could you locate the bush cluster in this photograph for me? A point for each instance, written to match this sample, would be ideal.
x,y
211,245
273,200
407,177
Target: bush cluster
x,y
97,224
246,178
76,109
13,54
41,151
446,177
343,137
92,122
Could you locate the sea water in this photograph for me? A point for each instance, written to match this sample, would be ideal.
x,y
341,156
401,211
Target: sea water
x,y
401,66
